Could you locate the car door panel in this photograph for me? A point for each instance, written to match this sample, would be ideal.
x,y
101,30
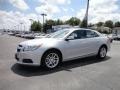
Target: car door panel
x,y
76,47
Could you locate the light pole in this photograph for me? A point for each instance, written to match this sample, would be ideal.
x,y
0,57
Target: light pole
x,y
31,20
14,28
24,28
21,26
43,15
18,27
4,27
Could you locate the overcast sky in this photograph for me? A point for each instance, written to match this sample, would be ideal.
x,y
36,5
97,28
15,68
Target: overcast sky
x,y
14,12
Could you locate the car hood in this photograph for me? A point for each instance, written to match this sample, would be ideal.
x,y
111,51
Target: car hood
x,y
35,42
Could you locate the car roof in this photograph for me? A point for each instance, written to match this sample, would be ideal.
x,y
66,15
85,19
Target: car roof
x,y
73,29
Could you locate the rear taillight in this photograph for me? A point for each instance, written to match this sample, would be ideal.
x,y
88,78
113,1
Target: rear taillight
x,y
109,39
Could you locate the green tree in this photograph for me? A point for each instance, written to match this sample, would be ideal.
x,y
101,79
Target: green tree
x,y
50,22
58,22
73,21
36,26
83,24
90,25
109,24
99,24
117,24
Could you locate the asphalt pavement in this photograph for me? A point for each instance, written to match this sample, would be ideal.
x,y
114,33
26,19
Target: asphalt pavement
x,y
82,74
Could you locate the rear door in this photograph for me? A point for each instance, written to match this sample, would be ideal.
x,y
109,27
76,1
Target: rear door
x,y
93,43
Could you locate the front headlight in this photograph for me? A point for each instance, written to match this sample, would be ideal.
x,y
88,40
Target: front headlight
x,y
31,48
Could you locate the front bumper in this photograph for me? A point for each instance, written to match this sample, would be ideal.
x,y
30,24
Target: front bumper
x,y
28,58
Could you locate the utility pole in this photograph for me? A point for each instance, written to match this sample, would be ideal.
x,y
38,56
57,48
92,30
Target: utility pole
x,y
43,14
85,20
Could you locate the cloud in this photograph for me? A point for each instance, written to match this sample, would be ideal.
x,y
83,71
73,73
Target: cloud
x,y
47,8
20,4
72,9
101,10
59,2
9,20
52,7
65,9
64,18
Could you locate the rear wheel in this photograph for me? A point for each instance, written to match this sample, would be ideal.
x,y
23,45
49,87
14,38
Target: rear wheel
x,y
102,52
51,59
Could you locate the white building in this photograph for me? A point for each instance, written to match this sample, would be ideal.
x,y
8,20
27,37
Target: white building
x,y
116,30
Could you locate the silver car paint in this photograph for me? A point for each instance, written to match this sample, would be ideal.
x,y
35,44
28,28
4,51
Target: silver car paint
x,y
69,49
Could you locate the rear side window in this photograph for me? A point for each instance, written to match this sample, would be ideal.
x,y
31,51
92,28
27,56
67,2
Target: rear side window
x,y
91,34
81,34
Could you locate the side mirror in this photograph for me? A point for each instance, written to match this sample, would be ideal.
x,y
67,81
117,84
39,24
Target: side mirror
x,y
69,38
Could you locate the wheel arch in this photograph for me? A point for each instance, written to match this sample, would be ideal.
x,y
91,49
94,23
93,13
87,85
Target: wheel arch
x,y
98,55
104,45
53,49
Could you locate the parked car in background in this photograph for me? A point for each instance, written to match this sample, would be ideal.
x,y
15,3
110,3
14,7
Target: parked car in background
x,y
110,36
28,36
19,34
12,34
116,32
117,37
63,45
41,36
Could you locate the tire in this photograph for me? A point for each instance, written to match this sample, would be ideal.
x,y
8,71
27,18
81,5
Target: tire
x,y
51,59
102,52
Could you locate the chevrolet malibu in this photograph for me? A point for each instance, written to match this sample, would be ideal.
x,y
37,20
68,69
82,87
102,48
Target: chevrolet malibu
x,y
63,45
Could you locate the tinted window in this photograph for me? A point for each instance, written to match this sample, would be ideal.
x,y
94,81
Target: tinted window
x,y
91,34
79,34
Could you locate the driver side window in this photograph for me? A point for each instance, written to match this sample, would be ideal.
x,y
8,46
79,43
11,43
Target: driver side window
x,y
78,34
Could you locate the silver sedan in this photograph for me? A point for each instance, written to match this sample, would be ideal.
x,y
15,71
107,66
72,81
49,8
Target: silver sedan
x,y
63,45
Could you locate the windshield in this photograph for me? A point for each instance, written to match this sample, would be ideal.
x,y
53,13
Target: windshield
x,y
58,34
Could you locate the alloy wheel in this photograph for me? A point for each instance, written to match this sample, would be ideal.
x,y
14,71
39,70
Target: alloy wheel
x,y
52,60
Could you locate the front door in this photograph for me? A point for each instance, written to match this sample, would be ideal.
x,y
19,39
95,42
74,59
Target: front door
x,y
76,45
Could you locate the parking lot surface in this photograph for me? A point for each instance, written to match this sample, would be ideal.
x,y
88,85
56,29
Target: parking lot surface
x,y
82,74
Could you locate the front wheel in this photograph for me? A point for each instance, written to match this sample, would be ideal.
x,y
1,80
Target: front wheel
x,y
51,59
102,52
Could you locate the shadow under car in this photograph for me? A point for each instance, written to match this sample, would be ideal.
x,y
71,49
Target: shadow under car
x,y
29,71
